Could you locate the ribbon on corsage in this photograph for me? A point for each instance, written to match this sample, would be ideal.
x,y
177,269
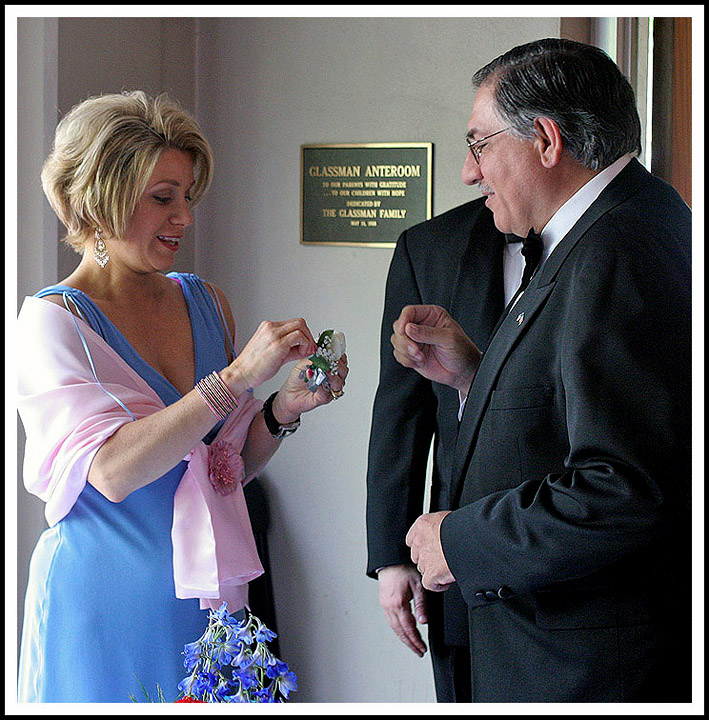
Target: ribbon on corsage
x,y
75,391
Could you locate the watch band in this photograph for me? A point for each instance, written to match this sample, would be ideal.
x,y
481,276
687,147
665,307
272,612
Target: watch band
x,y
277,430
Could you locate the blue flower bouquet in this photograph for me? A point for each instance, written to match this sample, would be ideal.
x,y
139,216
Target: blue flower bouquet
x,y
232,663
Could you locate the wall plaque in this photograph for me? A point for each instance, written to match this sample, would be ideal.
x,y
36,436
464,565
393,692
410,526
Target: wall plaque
x,y
365,193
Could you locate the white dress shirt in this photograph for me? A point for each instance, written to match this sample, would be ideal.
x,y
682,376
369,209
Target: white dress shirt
x,y
553,232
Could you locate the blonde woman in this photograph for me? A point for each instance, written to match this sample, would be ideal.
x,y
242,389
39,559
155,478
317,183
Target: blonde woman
x,y
141,422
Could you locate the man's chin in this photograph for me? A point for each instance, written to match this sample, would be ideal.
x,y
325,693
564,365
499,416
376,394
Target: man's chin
x,y
504,225
501,224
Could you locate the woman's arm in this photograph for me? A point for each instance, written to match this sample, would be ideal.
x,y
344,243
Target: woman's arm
x,y
291,401
141,451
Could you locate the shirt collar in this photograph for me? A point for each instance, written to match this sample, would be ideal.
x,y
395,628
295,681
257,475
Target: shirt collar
x,y
568,214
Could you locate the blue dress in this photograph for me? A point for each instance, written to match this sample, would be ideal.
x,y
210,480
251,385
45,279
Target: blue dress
x,y
101,616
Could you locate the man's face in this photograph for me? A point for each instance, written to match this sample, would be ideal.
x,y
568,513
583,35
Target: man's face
x,y
507,173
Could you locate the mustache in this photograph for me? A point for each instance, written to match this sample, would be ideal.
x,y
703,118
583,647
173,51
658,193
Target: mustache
x,y
485,189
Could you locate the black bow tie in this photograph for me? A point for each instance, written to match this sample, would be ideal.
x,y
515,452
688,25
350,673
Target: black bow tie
x,y
532,247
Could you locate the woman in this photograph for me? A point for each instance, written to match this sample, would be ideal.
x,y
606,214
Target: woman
x,y
140,420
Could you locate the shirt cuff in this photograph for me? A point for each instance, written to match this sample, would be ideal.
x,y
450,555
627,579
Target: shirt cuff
x,y
462,401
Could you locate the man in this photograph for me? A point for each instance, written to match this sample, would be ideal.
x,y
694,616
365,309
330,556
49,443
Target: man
x,y
569,536
458,260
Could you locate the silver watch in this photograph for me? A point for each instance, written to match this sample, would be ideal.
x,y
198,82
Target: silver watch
x,y
277,430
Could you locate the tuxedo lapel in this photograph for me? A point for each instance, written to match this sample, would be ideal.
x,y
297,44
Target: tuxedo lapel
x,y
628,182
515,324
520,318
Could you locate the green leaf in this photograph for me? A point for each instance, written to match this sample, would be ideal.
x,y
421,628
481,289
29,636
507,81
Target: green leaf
x,y
319,362
323,335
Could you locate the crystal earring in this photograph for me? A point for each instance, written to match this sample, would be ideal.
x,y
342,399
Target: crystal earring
x,y
100,251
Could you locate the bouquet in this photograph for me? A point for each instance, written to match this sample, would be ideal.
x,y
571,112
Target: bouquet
x,y
232,663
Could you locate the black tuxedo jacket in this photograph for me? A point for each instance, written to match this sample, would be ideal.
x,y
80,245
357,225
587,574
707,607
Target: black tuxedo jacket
x,y
571,471
453,260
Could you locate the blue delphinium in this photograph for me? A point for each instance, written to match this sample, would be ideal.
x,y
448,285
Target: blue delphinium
x,y
286,684
191,653
231,663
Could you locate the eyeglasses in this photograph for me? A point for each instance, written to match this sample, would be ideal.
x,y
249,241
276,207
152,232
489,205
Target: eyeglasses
x,y
475,146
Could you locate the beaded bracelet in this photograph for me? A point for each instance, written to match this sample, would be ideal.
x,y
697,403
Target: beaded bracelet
x,y
216,394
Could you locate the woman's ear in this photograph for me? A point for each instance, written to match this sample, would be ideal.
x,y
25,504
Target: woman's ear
x,y
548,142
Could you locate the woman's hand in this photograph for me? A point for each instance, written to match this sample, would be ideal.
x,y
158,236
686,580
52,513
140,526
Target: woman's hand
x,y
272,345
294,398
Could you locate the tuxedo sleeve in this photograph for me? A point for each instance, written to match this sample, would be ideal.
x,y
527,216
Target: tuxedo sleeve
x,y
622,386
403,424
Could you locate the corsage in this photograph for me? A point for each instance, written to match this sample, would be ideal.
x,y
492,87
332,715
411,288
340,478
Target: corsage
x,y
331,347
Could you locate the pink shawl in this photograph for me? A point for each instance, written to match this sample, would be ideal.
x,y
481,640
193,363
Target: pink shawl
x,y
74,392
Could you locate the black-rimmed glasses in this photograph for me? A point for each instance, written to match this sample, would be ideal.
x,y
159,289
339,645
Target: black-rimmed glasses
x,y
475,146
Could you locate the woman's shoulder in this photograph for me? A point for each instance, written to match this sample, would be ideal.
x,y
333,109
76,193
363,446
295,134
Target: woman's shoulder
x,y
57,294
196,281
56,298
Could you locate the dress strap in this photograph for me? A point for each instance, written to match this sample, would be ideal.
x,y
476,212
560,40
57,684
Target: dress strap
x,y
66,298
220,310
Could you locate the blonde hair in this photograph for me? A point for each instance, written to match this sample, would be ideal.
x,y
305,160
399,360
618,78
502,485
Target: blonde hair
x,y
105,150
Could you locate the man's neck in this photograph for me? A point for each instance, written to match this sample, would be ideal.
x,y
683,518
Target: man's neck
x,y
564,181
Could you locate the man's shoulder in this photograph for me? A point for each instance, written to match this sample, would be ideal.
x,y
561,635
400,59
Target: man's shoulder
x,y
451,232
461,217
436,247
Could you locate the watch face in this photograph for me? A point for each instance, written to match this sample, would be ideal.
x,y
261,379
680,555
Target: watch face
x,y
285,431
277,431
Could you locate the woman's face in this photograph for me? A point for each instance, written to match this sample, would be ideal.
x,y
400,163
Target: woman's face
x,y
161,215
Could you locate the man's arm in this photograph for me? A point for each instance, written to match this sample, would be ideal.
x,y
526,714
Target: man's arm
x,y
403,425
624,396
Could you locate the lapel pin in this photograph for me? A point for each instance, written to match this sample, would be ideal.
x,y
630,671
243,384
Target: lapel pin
x,y
520,318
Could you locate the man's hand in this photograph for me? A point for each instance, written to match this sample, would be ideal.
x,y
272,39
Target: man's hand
x,y
424,539
427,339
398,585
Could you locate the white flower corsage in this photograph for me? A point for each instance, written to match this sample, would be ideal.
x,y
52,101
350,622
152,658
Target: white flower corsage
x,y
331,347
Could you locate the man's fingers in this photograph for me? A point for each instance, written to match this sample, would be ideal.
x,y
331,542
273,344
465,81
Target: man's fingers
x,y
420,607
406,352
424,315
424,335
398,585
434,586
403,624
419,316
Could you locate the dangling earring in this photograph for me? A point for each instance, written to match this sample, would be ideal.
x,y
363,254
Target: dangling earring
x,y
100,251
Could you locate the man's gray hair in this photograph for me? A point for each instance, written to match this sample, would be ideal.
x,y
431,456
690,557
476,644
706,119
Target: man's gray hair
x,y
577,86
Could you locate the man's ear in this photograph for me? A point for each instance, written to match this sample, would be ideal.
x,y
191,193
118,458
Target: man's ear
x,y
548,142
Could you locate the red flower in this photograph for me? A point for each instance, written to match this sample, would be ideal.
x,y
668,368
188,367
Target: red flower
x,y
187,698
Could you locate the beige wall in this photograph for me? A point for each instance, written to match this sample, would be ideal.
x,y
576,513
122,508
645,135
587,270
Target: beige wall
x,y
262,87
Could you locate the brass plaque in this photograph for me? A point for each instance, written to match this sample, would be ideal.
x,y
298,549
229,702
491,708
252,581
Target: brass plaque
x,y
364,193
